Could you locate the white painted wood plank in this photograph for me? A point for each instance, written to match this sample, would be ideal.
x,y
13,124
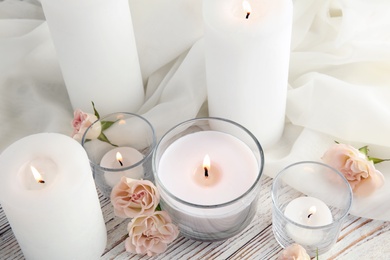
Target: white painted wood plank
x,y
359,239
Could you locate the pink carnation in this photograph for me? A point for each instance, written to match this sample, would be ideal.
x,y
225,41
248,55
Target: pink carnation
x,y
355,166
150,234
132,198
81,122
294,252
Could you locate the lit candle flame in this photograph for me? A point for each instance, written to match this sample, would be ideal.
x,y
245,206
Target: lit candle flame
x,y
206,165
312,210
119,158
37,175
247,8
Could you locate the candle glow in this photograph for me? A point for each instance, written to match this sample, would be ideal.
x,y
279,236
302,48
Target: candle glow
x,y
206,165
119,158
247,8
37,175
312,211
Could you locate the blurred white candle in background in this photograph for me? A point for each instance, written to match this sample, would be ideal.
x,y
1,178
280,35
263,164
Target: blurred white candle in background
x,y
247,48
97,53
50,200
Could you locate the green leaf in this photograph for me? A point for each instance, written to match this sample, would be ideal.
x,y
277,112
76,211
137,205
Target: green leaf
x,y
103,137
377,160
106,124
336,142
158,208
95,111
364,150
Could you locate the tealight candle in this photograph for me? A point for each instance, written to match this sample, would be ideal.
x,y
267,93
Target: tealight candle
x,y
208,179
310,212
122,158
50,200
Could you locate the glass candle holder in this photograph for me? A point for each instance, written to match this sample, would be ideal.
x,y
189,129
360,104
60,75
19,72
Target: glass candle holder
x,y
208,172
310,202
119,144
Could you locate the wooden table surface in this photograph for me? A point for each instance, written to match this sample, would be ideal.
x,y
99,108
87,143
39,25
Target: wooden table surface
x,y
360,238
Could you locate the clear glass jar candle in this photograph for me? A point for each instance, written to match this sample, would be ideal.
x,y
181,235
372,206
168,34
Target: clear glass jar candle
x,y
310,201
126,152
214,201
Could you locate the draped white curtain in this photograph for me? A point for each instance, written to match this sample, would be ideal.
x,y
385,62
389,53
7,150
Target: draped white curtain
x,y
339,80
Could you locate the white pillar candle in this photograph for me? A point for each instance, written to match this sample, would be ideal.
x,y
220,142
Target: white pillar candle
x,y
97,53
57,216
309,212
247,60
122,158
232,172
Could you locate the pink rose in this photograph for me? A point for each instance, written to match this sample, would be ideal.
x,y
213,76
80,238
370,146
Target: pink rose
x,y
81,122
355,166
132,198
294,252
150,234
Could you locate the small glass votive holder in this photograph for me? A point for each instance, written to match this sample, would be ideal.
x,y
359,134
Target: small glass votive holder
x,y
119,144
208,173
310,201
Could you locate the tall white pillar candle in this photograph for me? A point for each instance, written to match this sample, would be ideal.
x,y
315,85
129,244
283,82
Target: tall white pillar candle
x,y
247,59
57,215
97,52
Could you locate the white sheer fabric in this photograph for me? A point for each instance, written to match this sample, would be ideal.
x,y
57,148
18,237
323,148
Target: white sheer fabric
x,y
339,81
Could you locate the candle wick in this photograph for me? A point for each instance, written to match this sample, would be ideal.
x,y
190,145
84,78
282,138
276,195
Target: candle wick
x,y
247,15
41,181
308,216
206,172
120,162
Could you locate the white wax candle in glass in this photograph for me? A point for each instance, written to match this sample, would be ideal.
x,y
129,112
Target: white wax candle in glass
x,y
209,179
310,201
180,166
132,138
310,212
121,158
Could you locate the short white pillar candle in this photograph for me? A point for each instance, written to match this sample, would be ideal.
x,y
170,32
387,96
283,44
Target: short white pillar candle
x,y
57,214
